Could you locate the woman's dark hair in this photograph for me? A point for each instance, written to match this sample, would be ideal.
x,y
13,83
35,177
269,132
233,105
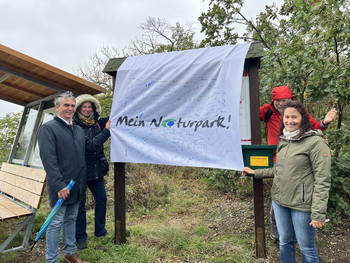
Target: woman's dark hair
x,y
305,124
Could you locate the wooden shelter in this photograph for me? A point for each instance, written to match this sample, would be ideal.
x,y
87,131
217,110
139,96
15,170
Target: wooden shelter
x,y
34,84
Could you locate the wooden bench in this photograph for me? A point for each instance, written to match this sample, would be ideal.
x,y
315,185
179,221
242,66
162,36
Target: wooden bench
x,y
21,191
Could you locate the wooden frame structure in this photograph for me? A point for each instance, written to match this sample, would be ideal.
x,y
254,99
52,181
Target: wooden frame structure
x,y
33,84
253,63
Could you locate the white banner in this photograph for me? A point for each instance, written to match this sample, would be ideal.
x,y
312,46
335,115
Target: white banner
x,y
180,108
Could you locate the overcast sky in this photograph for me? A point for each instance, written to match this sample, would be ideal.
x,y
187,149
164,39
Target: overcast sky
x,y
66,33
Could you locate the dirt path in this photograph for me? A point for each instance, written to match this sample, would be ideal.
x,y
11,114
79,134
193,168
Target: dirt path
x,y
236,215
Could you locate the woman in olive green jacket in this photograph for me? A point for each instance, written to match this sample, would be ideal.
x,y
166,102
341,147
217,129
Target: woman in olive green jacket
x,y
301,183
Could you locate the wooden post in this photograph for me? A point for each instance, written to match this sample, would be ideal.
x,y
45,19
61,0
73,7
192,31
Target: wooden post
x,y
256,139
119,203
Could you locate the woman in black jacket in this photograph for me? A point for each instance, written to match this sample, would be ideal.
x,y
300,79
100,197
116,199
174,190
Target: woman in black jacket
x,y
96,132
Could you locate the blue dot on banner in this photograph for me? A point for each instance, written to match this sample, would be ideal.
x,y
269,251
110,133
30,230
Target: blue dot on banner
x,y
170,123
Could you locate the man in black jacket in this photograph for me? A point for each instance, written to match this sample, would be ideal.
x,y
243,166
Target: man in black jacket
x,y
62,151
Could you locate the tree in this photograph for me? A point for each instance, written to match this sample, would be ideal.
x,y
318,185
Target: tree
x,y
307,47
306,43
93,73
159,36
8,129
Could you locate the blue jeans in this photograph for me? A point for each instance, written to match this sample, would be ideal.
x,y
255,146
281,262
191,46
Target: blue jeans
x,y
98,190
292,223
65,220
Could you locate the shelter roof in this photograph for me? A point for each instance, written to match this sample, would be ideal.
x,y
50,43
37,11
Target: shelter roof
x,y
112,66
24,79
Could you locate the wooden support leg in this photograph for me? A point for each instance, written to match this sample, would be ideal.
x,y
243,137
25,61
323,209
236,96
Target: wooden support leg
x,y
119,203
259,218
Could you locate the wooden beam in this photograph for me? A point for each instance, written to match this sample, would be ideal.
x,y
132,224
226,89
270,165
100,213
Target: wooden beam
x,y
4,77
31,79
10,57
21,89
258,186
254,64
9,209
18,102
119,203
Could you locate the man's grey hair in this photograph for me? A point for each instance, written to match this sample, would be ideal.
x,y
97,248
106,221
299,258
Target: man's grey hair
x,y
66,95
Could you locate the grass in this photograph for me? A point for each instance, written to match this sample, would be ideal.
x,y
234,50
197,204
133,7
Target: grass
x,y
170,218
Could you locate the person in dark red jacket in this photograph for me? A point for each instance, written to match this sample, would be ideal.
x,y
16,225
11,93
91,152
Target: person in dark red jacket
x,y
271,114
281,95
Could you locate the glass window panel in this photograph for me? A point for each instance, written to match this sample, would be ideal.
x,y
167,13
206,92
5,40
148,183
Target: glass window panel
x,y
25,134
49,112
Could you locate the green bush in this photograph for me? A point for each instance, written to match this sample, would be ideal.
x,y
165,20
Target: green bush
x,y
8,129
227,181
339,194
145,188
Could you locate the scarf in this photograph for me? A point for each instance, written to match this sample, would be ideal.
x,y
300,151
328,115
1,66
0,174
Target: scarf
x,y
87,121
290,135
